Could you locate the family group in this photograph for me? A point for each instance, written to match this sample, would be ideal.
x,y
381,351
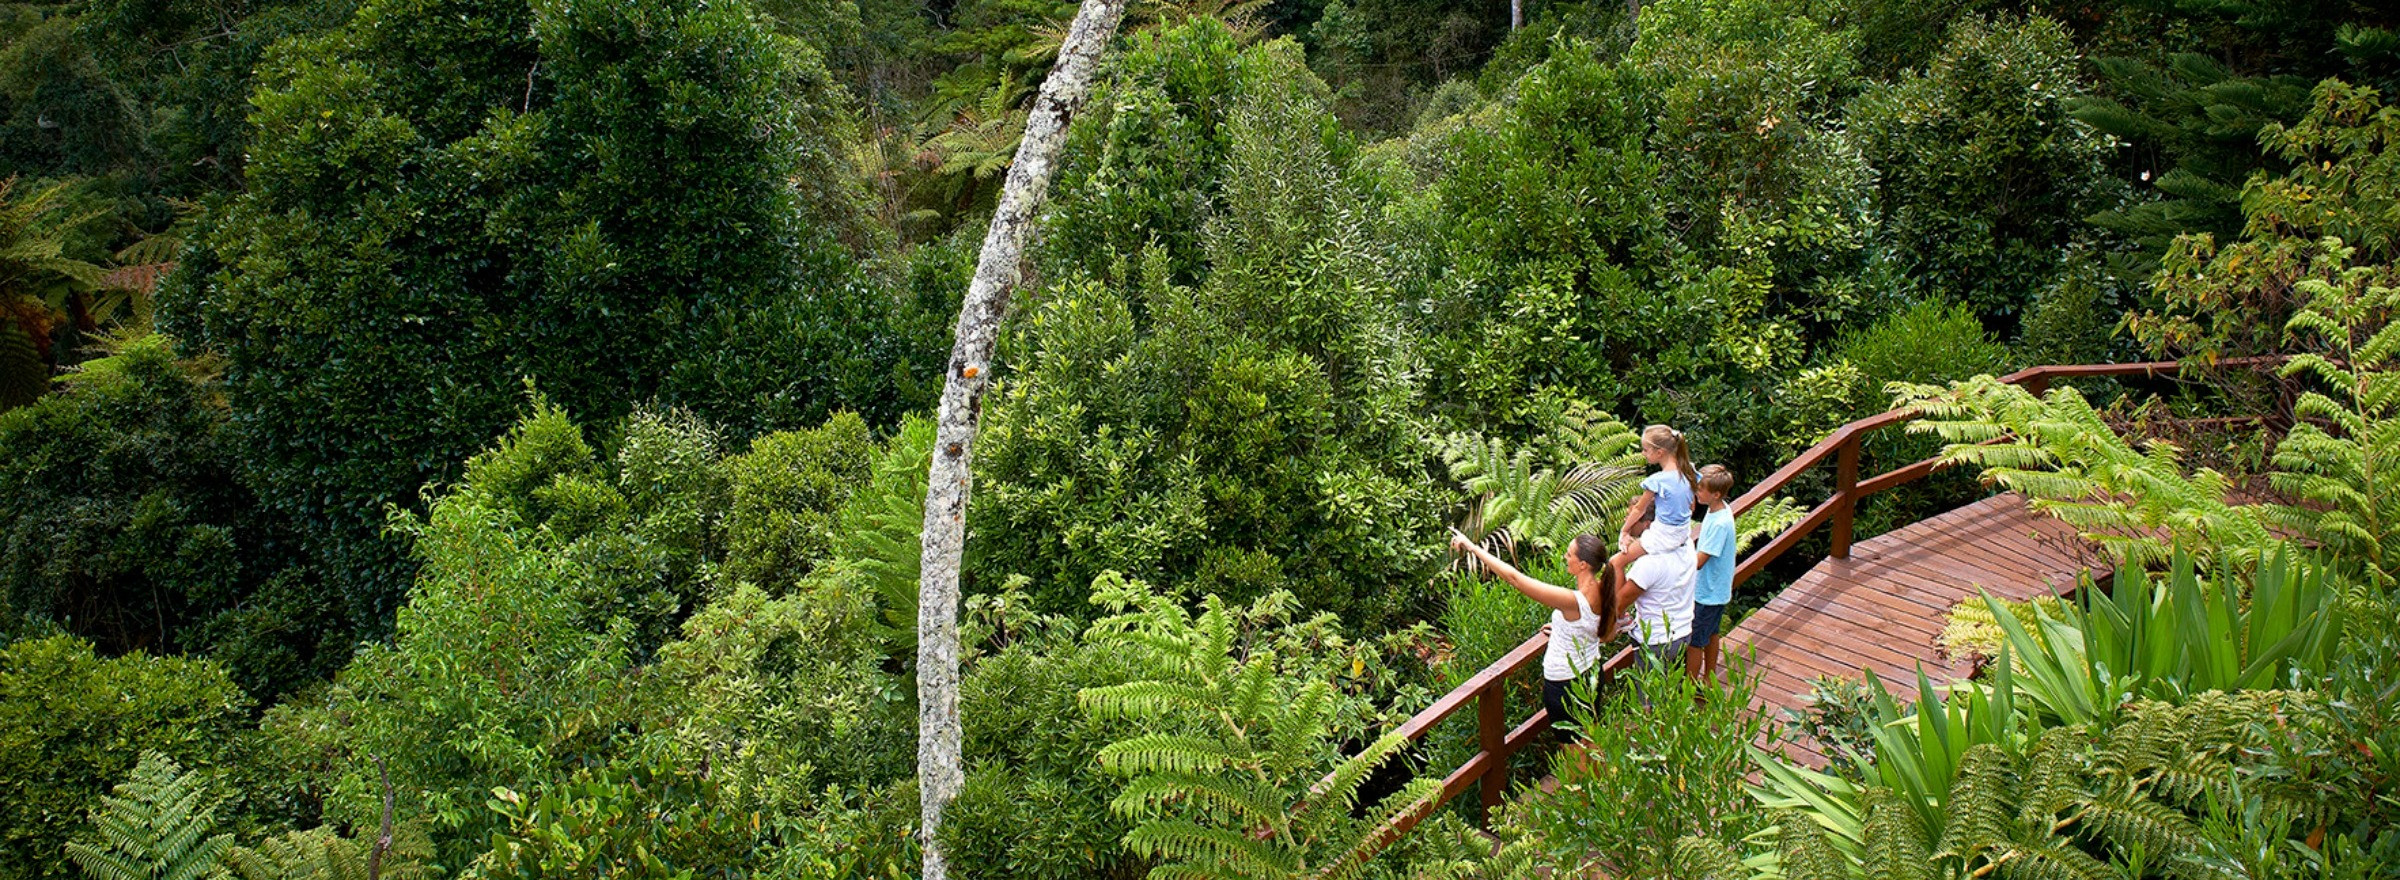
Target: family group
x,y
1664,589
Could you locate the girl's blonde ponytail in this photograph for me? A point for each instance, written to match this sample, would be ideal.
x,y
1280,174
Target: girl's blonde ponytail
x,y
1669,440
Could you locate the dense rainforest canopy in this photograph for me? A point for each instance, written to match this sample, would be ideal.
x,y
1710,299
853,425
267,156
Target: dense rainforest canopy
x,y
489,437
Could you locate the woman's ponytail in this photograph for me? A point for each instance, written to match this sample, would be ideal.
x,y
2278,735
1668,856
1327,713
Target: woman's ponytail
x,y
1594,554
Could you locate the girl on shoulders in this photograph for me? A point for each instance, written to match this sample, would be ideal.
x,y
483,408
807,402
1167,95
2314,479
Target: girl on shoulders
x,y
1666,500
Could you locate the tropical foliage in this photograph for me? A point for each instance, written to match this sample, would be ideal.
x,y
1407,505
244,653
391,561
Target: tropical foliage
x,y
1239,795
525,475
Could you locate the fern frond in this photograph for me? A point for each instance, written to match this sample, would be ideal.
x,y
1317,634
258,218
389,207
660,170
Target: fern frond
x,y
1223,798
1808,851
1168,753
1146,699
1239,852
160,825
1338,791
1700,858
1978,804
1896,848
1351,854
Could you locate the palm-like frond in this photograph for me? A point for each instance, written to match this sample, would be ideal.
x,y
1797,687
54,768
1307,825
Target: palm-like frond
x,y
2343,478
2137,504
881,525
160,825
1219,784
1519,506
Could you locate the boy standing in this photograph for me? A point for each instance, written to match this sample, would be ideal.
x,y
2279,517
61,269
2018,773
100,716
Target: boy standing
x,y
1712,586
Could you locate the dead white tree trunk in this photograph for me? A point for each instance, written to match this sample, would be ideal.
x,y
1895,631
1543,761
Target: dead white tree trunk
x,y
940,769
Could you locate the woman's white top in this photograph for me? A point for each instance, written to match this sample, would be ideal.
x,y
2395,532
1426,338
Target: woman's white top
x,y
1574,644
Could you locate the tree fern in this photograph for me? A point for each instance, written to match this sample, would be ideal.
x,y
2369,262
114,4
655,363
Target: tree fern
x,y
2057,452
1231,779
158,826
2347,479
1515,499
1699,858
880,528
320,854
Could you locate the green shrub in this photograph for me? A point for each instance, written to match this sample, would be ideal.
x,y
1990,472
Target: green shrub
x,y
1015,823
72,724
1549,219
786,493
656,217
1658,235
123,520
491,679
1984,174
1928,342
619,823
1144,165
869,834
1758,172
1251,428
2073,320
1661,760
320,854
784,697
1837,721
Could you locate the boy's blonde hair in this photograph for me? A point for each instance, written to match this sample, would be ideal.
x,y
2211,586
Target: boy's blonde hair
x,y
1717,479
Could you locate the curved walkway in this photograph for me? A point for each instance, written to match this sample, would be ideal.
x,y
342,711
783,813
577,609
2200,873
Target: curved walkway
x,y
1883,608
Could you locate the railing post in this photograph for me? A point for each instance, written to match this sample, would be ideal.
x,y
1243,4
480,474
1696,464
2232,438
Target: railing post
x,y
1491,727
1845,493
2038,384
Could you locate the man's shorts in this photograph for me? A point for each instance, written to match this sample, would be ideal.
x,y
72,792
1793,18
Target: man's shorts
x,y
1666,655
1706,619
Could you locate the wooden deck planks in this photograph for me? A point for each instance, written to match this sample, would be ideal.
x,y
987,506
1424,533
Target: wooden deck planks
x,y
1884,607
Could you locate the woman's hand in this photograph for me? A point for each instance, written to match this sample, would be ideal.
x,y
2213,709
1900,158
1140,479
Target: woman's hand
x,y
1460,541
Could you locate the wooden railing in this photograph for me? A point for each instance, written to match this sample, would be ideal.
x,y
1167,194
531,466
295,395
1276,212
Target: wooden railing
x,y
1498,741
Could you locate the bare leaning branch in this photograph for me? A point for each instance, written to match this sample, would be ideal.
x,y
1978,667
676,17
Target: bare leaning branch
x,y
939,742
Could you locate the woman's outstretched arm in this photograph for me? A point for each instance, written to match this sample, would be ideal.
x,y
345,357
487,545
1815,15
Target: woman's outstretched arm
x,y
1556,597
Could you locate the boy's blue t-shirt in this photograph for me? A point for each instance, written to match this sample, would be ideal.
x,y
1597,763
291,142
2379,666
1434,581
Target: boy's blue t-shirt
x,y
1714,585
1674,506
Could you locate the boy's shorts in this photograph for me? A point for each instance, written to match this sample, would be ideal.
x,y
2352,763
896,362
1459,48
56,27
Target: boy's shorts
x,y
1706,619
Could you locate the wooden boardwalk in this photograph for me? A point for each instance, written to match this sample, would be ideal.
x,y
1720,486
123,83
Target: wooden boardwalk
x,y
1883,608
